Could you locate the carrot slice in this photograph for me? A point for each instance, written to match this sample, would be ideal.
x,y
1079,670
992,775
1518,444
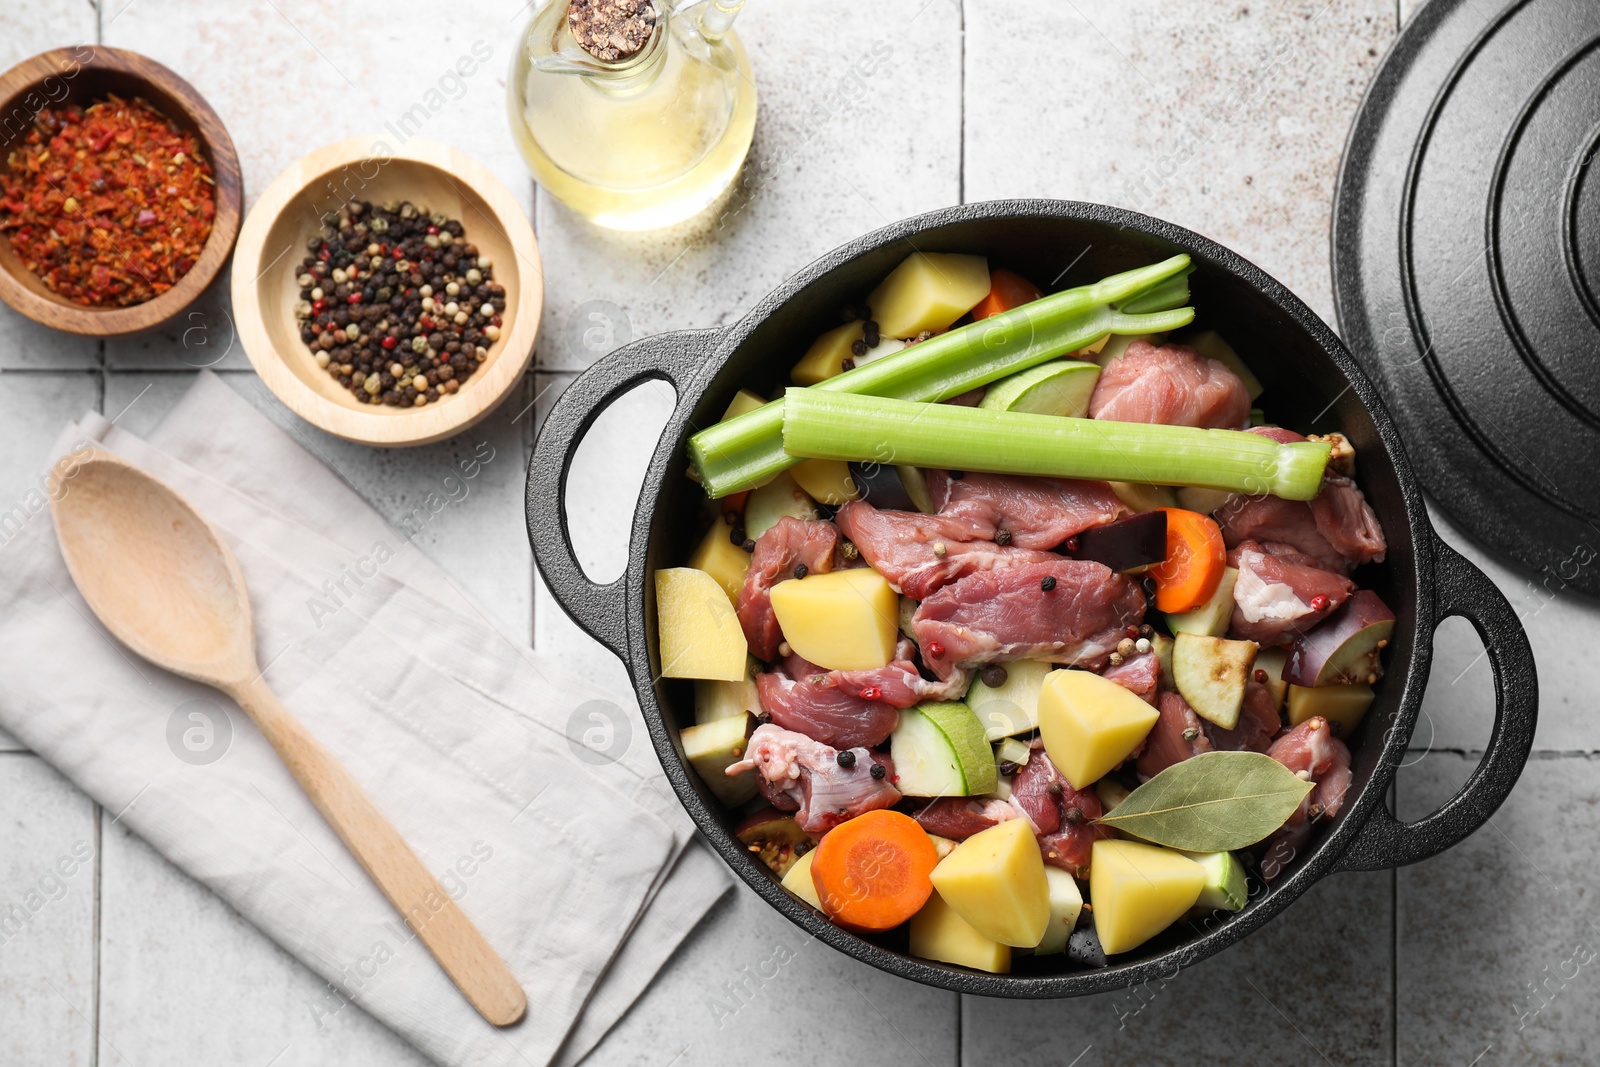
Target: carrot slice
x,y
1006,291
1195,560
871,873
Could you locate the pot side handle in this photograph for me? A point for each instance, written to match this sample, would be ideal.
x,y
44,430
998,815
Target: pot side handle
x,y
600,609
1466,591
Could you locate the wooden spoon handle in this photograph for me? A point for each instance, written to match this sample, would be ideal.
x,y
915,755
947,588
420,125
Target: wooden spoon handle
x,y
475,967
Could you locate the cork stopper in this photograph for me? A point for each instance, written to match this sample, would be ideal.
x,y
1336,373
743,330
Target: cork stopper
x,y
611,30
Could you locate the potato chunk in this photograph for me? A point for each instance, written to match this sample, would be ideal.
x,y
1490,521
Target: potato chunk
x,y
698,632
938,932
798,880
826,480
743,402
928,291
1138,891
1089,724
826,356
841,621
719,557
995,881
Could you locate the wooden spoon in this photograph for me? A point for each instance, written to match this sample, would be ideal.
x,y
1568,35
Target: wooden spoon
x,y
162,580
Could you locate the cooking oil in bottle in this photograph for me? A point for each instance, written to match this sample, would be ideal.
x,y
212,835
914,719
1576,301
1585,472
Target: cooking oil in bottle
x,y
634,113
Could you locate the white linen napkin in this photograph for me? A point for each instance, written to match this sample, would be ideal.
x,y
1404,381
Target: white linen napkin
x,y
470,744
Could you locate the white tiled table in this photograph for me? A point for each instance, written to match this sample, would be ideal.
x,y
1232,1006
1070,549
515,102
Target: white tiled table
x,y
1225,117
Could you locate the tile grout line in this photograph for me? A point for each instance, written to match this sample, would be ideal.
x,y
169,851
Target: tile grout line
x,y
1394,963
961,1027
97,928
532,379
1546,754
1394,946
95,369
95,923
961,93
97,920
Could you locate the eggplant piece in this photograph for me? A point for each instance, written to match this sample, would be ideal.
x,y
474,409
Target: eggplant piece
x,y
774,837
893,488
1212,618
1271,662
1141,497
1163,647
1111,793
1124,545
879,484
1211,345
1083,946
1342,705
1346,647
1211,674
771,502
1202,501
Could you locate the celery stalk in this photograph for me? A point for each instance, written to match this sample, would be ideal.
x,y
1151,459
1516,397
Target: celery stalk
x,y
1170,293
875,429
748,450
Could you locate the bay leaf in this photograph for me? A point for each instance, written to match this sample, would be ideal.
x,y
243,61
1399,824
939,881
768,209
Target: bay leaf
x,y
1213,802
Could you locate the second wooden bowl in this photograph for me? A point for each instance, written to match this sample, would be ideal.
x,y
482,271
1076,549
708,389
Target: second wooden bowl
x,y
272,244
82,75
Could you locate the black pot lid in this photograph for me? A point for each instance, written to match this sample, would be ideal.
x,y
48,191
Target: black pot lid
x,y
1466,251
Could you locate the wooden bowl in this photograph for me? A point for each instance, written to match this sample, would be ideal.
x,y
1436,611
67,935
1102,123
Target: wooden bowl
x,y
436,178
82,75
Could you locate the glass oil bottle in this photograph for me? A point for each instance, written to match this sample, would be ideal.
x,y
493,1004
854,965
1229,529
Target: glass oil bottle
x,y
635,128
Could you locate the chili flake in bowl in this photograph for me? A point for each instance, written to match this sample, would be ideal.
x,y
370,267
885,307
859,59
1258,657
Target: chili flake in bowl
x,y
120,193
396,304
109,204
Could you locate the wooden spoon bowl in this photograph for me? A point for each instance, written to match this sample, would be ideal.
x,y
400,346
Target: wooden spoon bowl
x,y
82,75
272,245
183,606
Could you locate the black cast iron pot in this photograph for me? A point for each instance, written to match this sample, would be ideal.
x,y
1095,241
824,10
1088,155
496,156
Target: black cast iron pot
x,y
1312,385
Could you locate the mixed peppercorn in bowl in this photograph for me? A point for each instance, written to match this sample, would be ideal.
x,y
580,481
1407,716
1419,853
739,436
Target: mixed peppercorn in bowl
x,y
389,296
396,304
